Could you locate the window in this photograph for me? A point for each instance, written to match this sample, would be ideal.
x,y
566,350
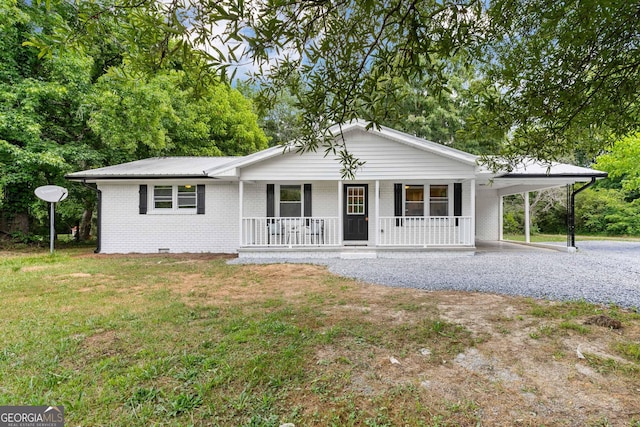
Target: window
x,y
290,201
355,200
186,197
172,198
414,200
163,197
438,200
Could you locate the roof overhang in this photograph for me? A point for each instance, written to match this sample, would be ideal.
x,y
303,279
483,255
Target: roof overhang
x,y
93,178
516,184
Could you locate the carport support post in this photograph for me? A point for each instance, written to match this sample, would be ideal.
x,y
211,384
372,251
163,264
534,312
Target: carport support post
x,y
571,212
501,219
527,219
377,223
340,232
240,212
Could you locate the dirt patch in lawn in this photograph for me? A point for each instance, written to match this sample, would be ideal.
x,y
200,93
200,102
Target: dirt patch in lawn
x,y
517,366
471,357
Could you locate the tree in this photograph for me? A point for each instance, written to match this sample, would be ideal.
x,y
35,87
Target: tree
x,y
446,117
561,75
162,115
280,120
86,108
38,120
622,162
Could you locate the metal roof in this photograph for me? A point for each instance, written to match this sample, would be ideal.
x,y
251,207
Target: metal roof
x,y
212,167
533,168
156,167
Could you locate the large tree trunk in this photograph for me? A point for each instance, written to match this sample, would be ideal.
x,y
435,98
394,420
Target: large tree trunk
x,y
17,222
85,224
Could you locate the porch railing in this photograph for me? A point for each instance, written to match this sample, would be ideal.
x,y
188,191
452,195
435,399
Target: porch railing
x,y
425,231
289,232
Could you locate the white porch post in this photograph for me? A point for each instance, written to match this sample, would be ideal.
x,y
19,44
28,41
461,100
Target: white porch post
x,y
473,211
501,219
377,212
527,225
240,210
339,231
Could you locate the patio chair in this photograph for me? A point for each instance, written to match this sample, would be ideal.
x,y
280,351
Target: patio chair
x,y
315,230
274,231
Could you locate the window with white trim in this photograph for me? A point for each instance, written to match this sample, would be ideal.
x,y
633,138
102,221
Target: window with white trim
x,y
168,198
187,197
163,197
426,200
439,200
290,200
414,200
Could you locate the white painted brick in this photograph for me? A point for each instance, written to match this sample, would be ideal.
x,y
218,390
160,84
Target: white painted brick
x,y
124,230
487,215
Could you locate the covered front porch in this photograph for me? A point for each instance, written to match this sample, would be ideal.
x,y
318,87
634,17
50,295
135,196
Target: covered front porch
x,y
421,232
363,216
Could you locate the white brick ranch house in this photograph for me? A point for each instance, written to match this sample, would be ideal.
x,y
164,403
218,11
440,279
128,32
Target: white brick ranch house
x,y
410,195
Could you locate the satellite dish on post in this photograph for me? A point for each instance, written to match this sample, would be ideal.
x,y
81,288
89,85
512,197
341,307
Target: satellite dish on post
x,y
52,194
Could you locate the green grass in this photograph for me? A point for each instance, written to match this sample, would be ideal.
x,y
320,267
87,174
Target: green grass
x,y
114,341
552,238
178,341
568,310
630,350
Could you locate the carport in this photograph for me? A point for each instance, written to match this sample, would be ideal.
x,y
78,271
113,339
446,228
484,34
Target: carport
x,y
531,176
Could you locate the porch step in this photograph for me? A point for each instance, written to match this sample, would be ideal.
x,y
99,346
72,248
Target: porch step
x,y
358,254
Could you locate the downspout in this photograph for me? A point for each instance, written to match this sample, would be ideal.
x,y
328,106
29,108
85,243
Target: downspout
x,y
571,213
98,214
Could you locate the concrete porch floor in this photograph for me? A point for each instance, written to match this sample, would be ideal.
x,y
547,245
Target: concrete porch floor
x,y
484,246
370,252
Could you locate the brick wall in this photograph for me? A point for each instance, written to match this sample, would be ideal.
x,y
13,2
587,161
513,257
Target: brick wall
x,y
125,230
487,215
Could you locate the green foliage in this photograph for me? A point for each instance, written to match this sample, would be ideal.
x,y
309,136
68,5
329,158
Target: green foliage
x,y
557,77
604,211
567,73
622,162
164,115
444,117
72,109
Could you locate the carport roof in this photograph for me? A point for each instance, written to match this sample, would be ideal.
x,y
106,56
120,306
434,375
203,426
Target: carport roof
x,y
532,175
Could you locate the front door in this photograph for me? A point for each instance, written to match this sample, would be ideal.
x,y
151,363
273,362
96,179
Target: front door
x,y
356,212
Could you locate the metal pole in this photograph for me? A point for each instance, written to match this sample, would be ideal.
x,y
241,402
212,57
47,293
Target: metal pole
x,y
527,218
572,211
52,231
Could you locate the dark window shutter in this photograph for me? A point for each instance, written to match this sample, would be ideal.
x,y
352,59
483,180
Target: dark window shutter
x,y
271,201
200,189
307,200
143,199
397,202
457,199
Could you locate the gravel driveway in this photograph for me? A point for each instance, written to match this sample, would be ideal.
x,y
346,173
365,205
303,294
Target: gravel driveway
x,y
600,272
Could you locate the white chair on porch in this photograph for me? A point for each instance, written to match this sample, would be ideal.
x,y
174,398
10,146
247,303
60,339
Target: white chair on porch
x,y
315,231
274,231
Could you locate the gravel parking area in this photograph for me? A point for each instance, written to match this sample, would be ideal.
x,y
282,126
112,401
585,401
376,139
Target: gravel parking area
x,y
600,272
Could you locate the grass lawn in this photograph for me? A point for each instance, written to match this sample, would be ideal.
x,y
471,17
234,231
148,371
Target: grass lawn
x,y
542,238
181,340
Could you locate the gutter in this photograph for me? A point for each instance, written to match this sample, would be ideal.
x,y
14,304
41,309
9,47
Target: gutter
x,y
98,214
571,213
556,175
84,178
